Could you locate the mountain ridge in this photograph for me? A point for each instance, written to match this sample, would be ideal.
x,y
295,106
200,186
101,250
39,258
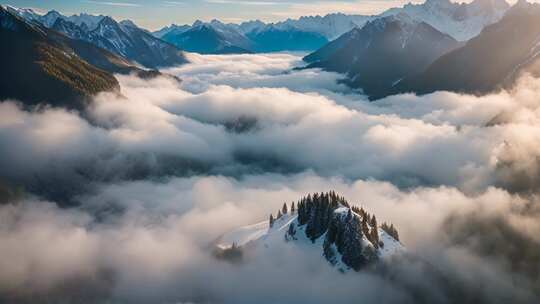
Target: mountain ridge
x,y
383,52
462,21
347,236
126,40
485,64
53,72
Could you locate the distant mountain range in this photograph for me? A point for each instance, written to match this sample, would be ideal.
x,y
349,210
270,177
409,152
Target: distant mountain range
x,y
216,37
38,65
124,38
212,38
462,21
438,45
403,53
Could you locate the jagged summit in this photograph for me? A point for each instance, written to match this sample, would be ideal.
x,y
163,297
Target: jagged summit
x,y
346,236
124,39
462,21
384,51
54,72
128,23
493,60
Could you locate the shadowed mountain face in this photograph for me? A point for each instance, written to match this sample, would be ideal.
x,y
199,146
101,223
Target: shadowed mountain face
x,y
37,69
492,60
96,56
383,52
92,54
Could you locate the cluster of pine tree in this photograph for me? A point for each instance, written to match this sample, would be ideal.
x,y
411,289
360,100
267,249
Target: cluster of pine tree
x,y
316,211
345,234
369,225
391,230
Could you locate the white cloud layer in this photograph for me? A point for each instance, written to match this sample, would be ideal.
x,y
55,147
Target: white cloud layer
x,y
158,174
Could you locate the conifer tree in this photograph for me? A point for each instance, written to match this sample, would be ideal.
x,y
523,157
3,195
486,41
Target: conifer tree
x,y
292,207
301,212
278,214
374,232
292,230
373,221
284,209
395,233
271,220
365,227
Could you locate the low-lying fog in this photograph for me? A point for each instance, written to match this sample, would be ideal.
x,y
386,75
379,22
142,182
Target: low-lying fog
x,y
123,204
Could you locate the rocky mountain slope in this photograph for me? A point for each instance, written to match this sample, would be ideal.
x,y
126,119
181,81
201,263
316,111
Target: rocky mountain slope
x,y
494,59
124,39
386,50
462,21
305,33
37,69
346,236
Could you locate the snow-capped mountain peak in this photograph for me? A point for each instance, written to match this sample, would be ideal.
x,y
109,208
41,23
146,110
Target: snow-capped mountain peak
x,y
128,23
460,20
402,19
84,20
25,13
197,23
50,18
173,28
90,21
346,237
124,39
438,4
249,26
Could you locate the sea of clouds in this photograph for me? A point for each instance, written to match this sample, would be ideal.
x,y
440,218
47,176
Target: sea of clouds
x,y
124,201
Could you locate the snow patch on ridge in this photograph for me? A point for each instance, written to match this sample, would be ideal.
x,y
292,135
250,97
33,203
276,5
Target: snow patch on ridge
x,y
261,236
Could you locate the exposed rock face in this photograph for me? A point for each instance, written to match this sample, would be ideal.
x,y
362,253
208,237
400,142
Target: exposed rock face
x,y
492,60
37,69
124,38
382,53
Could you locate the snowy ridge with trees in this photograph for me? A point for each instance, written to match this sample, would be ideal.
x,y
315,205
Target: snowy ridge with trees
x,y
347,236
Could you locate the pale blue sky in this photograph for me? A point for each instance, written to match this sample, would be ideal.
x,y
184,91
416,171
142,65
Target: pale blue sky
x,y
154,14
